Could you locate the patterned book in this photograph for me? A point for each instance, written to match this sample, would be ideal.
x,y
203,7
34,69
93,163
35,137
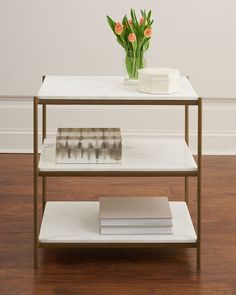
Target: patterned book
x,y
88,145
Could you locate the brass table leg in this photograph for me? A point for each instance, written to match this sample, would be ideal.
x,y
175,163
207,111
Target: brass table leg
x,y
186,183
44,180
35,116
199,183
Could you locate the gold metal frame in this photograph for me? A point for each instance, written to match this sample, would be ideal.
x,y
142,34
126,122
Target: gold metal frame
x,y
35,182
185,174
44,134
117,101
118,245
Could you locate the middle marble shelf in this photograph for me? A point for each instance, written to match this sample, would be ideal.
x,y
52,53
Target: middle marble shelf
x,y
138,155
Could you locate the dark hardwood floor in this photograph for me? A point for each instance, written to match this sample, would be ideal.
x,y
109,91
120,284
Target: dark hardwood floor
x,y
138,272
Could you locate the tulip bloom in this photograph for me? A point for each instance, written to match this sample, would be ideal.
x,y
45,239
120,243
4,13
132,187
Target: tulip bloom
x,y
141,21
118,29
148,32
131,22
132,38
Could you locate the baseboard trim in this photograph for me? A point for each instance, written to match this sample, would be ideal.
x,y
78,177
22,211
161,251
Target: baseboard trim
x,y
219,137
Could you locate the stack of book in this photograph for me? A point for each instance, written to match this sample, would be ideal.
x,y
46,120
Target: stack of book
x,y
135,215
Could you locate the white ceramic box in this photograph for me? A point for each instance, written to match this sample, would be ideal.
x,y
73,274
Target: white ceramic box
x,y
158,80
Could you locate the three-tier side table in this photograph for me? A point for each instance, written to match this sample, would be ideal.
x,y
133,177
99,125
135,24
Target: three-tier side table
x,y
76,224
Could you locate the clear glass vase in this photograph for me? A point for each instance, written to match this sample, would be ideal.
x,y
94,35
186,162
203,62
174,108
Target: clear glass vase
x,y
132,63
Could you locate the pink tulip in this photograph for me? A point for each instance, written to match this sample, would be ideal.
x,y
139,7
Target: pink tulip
x,y
141,21
118,28
148,32
132,37
131,22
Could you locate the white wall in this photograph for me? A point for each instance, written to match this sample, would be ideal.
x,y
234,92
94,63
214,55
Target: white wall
x,y
72,37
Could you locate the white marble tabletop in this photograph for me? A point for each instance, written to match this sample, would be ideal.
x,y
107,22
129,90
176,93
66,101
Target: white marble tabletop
x,y
105,87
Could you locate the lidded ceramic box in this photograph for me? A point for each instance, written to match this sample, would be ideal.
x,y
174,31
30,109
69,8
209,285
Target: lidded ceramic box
x,y
158,80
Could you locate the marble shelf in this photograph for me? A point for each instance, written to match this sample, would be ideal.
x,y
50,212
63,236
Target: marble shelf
x,y
78,222
159,155
105,87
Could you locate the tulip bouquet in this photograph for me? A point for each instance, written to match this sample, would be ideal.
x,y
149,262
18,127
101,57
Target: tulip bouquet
x,y
134,36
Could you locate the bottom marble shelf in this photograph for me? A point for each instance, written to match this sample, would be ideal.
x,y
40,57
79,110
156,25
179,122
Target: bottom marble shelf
x,y
78,222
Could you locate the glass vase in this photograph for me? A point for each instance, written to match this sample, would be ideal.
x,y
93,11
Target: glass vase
x,y
132,63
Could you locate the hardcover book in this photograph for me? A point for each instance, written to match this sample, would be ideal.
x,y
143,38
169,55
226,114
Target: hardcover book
x,y
136,231
136,222
135,208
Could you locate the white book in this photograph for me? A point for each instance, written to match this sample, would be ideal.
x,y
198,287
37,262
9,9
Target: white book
x,y
134,208
136,231
136,222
